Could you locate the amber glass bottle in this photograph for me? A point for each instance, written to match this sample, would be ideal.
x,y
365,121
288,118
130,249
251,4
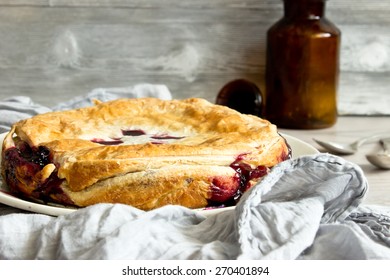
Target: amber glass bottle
x,y
302,67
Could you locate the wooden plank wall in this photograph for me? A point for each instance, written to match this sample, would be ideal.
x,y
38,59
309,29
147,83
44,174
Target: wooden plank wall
x,y
54,50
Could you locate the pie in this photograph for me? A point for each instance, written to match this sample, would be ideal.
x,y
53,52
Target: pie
x,y
143,152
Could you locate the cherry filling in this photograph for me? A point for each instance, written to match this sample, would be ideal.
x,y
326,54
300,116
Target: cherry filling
x,y
166,137
229,190
133,132
246,173
22,163
112,142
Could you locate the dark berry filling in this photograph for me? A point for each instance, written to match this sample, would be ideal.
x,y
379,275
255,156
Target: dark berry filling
x,y
229,191
112,142
133,132
165,137
246,173
223,189
27,161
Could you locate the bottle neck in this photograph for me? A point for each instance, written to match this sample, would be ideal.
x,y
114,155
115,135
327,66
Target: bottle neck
x,y
308,9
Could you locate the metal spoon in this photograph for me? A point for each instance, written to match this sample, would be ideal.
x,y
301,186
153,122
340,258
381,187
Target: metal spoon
x,y
351,148
382,159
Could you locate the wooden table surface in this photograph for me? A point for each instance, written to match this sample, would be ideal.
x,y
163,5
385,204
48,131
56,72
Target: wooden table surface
x,y
346,130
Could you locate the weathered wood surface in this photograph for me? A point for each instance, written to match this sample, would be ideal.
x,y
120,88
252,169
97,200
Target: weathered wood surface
x,y
54,50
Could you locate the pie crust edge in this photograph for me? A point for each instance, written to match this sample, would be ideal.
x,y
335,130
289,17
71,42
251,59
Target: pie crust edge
x,y
191,171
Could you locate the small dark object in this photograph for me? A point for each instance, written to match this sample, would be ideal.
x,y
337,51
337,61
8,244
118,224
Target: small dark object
x,y
241,95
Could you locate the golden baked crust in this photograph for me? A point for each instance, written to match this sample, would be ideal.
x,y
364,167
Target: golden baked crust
x,y
143,152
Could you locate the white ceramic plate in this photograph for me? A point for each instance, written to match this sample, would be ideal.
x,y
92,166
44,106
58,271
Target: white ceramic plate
x,y
298,147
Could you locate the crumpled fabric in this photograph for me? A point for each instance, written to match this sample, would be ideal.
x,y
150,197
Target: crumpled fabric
x,y
17,108
311,207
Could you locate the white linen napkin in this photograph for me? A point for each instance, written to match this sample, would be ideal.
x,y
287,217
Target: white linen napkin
x,y
306,208
17,108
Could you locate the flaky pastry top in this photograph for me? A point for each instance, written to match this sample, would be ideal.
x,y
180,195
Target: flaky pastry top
x,y
129,135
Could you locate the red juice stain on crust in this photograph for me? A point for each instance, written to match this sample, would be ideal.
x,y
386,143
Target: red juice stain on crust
x,y
154,139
